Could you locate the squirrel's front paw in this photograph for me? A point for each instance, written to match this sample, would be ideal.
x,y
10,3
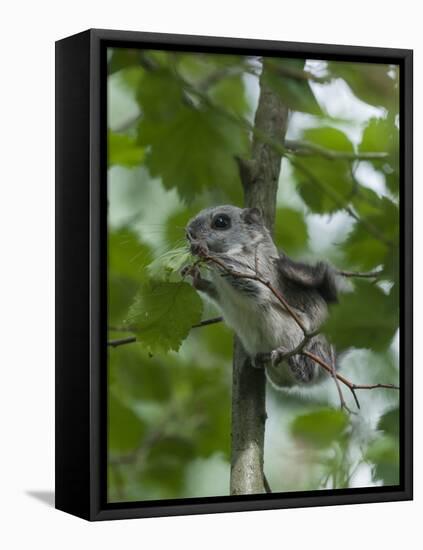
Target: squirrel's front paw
x,y
190,271
273,358
199,249
260,360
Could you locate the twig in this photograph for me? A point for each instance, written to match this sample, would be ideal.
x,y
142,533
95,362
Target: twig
x,y
296,74
307,335
121,341
338,387
267,284
306,148
339,200
207,322
131,339
365,275
282,149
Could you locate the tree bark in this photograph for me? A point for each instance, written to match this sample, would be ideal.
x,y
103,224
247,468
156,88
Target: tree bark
x,y
259,177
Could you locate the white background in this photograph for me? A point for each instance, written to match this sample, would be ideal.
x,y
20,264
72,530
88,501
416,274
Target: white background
x,y
27,37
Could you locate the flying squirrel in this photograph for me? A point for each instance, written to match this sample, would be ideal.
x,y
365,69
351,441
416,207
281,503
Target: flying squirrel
x,y
239,240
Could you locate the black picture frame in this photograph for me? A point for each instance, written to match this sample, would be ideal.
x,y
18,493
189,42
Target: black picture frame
x,y
81,270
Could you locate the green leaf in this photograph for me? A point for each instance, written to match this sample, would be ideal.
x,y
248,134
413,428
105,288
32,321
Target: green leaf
x,y
365,250
169,265
370,82
364,318
330,138
193,150
290,230
380,134
325,184
123,150
163,314
189,145
286,78
320,428
383,135
160,95
384,453
229,93
125,429
390,423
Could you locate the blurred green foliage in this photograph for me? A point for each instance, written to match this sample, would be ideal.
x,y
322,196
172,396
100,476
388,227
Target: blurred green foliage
x,y
170,392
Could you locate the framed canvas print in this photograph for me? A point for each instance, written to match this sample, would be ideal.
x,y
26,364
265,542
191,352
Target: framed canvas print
x,y
234,282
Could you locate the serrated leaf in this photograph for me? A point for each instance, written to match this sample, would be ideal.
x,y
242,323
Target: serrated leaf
x,y
190,145
291,232
163,314
123,150
284,76
193,150
320,428
168,266
364,318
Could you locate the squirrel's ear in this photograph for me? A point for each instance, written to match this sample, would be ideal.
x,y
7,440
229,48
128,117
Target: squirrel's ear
x,y
251,215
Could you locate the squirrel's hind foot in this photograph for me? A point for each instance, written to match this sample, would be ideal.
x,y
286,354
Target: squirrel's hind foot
x,y
272,358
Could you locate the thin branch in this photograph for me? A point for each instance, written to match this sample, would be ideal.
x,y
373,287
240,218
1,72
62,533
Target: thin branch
x,y
340,201
365,275
207,322
132,339
307,335
283,150
306,148
338,387
121,341
296,74
328,369
278,147
267,284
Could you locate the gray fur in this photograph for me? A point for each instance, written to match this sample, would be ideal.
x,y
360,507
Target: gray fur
x,y
254,313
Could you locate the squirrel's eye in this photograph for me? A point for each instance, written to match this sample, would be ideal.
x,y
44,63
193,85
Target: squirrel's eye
x,y
221,221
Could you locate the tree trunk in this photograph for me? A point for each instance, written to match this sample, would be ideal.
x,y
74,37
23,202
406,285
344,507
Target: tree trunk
x,y
259,177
